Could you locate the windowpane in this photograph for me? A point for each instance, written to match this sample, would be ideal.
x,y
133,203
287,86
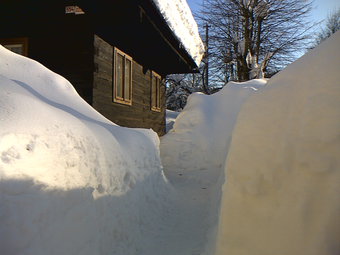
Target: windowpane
x,y
123,79
158,93
127,85
18,45
119,74
16,48
154,92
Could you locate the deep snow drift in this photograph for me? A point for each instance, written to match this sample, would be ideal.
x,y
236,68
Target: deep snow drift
x,y
282,188
193,155
69,176
201,134
72,182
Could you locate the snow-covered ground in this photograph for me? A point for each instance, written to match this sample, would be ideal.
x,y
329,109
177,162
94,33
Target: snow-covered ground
x,y
282,188
69,176
193,155
270,154
72,182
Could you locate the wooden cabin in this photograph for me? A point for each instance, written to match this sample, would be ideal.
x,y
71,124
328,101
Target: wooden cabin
x,y
114,52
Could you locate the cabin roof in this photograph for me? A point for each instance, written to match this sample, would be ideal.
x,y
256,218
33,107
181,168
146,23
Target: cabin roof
x,y
163,36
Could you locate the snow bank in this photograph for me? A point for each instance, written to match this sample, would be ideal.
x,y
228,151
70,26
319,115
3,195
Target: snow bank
x,y
193,155
283,169
201,134
72,182
178,15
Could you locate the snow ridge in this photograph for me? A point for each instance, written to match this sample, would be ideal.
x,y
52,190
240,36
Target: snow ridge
x,y
69,176
283,168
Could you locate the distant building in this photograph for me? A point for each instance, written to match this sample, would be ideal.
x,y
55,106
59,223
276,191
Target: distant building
x,y
114,52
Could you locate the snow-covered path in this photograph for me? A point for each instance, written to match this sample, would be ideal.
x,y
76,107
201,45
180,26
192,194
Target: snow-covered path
x,y
190,222
193,155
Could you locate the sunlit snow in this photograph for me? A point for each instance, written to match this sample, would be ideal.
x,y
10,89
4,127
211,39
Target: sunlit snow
x,y
252,169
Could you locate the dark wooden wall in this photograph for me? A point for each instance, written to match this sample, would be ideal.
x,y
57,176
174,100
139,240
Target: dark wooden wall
x,y
61,42
68,52
139,114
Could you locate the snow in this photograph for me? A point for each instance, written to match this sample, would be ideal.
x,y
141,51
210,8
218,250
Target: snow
x,y
201,124
179,18
252,169
193,155
282,172
72,182
263,162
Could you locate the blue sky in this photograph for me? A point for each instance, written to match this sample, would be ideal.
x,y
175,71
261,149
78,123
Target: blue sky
x,y
320,10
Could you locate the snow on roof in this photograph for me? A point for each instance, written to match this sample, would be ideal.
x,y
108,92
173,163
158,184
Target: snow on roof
x,y
179,18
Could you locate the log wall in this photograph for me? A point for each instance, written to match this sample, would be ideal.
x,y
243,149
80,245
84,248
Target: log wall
x,y
139,114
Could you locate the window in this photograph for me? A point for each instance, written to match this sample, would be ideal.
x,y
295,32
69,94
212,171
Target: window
x,y
155,92
17,45
122,92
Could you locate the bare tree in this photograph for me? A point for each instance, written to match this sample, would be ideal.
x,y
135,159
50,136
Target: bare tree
x,y
332,25
180,86
250,37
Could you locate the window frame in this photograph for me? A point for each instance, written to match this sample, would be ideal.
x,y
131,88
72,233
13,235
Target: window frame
x,y
116,98
14,41
157,107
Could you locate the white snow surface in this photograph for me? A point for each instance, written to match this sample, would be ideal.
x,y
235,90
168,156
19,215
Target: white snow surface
x,y
179,18
259,166
201,124
193,155
253,169
72,182
281,194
